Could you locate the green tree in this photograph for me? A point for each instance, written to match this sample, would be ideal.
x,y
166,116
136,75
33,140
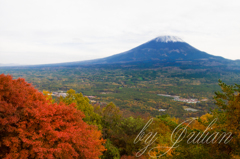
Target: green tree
x,y
228,114
82,103
111,152
111,115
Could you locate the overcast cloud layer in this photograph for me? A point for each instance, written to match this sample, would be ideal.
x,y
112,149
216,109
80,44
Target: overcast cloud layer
x,y
53,31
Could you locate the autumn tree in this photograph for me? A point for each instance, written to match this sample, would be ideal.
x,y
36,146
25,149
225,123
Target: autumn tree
x,y
49,96
32,127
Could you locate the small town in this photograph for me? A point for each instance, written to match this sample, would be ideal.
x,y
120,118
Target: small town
x,y
177,98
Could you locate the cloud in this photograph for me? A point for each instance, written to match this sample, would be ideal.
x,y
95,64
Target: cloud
x,y
51,31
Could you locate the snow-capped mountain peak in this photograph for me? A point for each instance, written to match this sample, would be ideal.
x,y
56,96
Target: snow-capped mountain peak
x,y
168,39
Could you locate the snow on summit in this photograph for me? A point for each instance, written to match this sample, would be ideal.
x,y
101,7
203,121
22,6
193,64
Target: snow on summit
x,y
168,39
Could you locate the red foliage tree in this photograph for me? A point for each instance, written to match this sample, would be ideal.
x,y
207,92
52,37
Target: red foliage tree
x,y
32,127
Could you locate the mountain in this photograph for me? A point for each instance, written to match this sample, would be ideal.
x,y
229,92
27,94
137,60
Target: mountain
x,y
158,52
162,49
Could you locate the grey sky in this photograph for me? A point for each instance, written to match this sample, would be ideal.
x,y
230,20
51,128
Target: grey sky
x,y
52,31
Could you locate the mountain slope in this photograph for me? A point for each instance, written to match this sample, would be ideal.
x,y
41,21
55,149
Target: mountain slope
x,y
160,49
158,52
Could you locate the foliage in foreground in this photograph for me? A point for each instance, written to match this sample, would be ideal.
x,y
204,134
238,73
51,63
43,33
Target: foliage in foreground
x,y
32,127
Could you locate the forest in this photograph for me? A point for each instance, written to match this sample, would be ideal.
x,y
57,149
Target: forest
x,y
34,125
114,122
134,89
